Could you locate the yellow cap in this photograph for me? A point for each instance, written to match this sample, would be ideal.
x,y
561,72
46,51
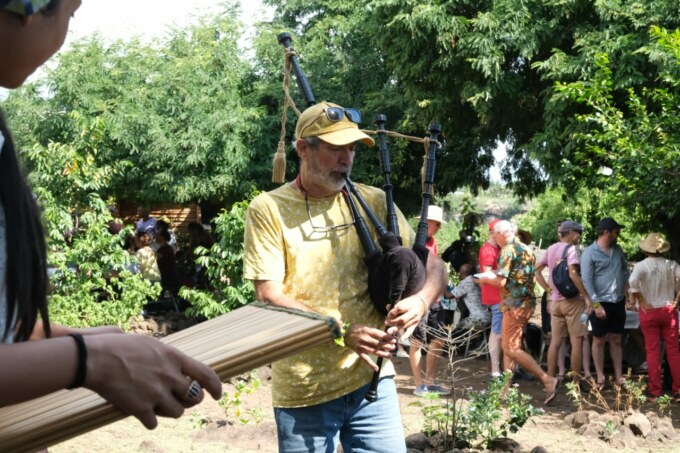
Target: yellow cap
x,y
314,123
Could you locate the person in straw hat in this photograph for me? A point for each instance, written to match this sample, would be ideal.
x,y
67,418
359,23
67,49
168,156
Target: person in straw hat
x,y
139,375
301,250
654,283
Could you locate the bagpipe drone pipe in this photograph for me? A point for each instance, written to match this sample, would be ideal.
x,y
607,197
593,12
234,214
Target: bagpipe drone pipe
x,y
394,271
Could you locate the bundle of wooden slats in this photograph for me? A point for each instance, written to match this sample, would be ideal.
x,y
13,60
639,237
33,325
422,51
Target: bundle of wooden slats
x,y
232,344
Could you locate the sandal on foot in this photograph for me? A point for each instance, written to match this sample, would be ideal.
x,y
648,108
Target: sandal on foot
x,y
621,382
552,394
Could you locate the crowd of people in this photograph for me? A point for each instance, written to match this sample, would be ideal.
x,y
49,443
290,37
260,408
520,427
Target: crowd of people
x,y
158,257
603,294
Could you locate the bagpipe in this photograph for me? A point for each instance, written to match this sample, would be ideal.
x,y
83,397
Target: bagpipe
x,y
394,271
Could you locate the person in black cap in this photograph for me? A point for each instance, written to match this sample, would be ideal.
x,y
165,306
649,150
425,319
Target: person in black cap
x,y
604,272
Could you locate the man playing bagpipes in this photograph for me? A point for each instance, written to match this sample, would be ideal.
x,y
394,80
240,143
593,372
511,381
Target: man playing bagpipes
x,y
302,251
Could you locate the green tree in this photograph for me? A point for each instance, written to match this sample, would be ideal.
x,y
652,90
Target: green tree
x,y
631,151
170,112
89,283
491,71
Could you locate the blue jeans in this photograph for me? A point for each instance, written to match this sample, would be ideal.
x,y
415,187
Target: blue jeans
x,y
359,425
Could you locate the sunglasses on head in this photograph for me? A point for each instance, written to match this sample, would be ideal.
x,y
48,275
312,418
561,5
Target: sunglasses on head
x,y
336,114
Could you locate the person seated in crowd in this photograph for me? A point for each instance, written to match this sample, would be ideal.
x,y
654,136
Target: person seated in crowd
x,y
146,257
130,246
198,237
654,283
162,225
468,291
167,263
146,222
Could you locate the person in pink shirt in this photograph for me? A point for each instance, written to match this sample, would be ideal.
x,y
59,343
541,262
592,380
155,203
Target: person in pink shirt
x,y
565,313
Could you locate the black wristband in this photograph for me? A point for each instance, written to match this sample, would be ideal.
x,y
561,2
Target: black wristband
x,y
81,372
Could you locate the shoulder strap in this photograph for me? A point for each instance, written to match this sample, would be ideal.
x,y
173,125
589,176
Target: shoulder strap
x,y
566,250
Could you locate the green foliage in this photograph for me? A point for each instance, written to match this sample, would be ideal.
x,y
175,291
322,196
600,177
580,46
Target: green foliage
x,y
235,402
527,74
485,419
89,285
586,207
664,403
224,267
170,113
496,411
625,143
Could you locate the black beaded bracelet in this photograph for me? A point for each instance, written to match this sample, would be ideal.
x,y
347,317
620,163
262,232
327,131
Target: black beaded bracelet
x,y
81,373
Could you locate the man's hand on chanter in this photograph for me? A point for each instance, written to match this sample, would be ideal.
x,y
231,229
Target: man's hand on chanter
x,y
367,341
406,314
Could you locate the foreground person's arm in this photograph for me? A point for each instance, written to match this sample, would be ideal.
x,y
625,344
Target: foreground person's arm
x,y
139,375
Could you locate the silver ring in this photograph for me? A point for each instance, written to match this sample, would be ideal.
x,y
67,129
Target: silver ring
x,y
193,391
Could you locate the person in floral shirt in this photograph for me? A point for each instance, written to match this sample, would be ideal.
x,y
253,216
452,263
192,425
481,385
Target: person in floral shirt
x,y
515,278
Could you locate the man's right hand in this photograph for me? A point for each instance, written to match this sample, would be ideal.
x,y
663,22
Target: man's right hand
x,y
600,313
367,341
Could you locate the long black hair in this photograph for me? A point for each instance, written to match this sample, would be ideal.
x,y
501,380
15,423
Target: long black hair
x,y
26,274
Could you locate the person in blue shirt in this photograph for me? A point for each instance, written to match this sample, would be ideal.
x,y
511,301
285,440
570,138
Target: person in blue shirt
x,y
604,272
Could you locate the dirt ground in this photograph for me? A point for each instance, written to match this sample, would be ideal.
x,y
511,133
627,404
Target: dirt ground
x,y
224,434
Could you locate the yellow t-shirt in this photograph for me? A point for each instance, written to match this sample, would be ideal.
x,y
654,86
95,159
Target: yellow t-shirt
x,y
148,265
323,270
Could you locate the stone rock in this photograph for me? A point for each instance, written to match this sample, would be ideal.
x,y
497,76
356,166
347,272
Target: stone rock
x,y
578,419
595,430
413,450
653,418
538,449
437,441
593,416
504,444
418,441
623,438
639,424
666,430
655,436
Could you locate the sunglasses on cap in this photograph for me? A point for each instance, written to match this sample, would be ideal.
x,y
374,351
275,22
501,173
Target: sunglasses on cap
x,y
336,114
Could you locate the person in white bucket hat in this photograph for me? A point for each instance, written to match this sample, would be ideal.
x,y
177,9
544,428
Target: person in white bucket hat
x,y
430,325
435,219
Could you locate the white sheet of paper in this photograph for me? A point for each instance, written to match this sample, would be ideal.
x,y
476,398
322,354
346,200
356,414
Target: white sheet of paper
x,y
487,274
